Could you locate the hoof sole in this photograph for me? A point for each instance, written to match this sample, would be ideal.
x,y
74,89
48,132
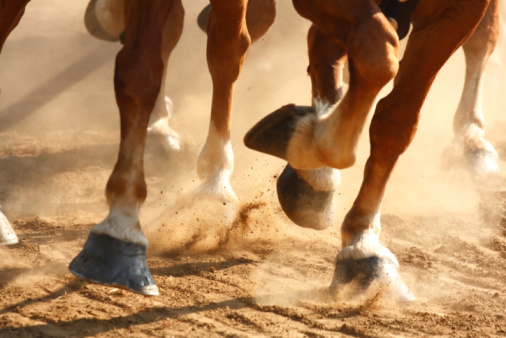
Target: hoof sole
x,y
93,26
305,206
109,261
272,134
363,272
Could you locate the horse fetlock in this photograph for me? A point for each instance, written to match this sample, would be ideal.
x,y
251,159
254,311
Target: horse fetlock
x,y
311,148
216,157
167,137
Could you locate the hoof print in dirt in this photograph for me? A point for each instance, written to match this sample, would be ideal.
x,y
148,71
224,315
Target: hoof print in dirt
x,y
304,205
93,25
273,133
355,276
109,261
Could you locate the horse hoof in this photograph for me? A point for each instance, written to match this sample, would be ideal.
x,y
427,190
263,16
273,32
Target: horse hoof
x,y
7,234
109,261
93,26
482,163
273,133
361,273
304,205
202,18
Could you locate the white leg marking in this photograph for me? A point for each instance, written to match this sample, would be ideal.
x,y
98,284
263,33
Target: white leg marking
x,y
216,164
328,138
468,124
366,244
322,179
159,122
122,223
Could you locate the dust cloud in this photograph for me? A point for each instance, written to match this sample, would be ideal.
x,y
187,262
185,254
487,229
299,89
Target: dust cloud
x,y
59,132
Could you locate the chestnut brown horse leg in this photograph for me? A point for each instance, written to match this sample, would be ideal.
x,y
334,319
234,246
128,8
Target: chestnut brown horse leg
x,y
10,13
158,126
392,129
115,252
228,41
308,142
311,141
328,138
469,122
306,195
260,15
104,19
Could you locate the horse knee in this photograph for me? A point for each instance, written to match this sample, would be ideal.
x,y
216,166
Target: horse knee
x,y
225,57
228,42
373,51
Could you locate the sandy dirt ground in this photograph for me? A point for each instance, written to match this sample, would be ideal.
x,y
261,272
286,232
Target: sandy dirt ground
x,y
253,275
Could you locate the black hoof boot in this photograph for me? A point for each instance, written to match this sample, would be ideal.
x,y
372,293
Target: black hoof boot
x,y
109,261
273,133
305,206
361,273
202,18
93,26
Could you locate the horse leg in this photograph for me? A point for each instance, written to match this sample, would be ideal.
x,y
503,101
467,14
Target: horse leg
x,y
363,258
115,252
310,141
158,126
306,195
260,15
10,14
228,41
469,122
104,19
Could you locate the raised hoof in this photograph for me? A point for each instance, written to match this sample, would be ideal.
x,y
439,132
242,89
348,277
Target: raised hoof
x,y
109,261
361,273
273,133
202,18
93,26
7,234
305,206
